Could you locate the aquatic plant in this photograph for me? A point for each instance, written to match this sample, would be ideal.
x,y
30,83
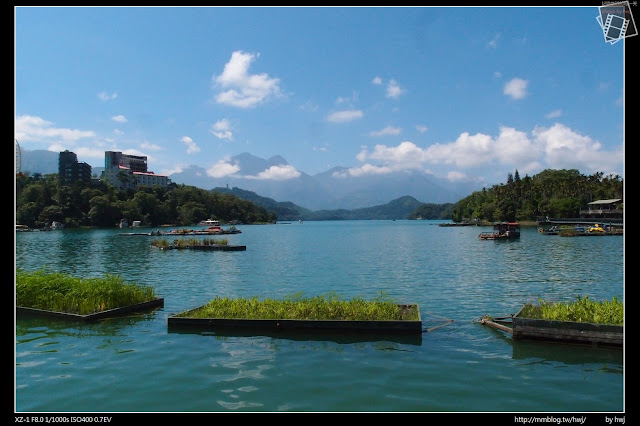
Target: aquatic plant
x,y
58,292
582,310
327,307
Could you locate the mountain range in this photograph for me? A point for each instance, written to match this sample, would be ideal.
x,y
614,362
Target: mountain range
x,y
330,190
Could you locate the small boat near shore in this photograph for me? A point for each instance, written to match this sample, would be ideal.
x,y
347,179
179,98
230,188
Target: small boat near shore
x,y
554,230
502,231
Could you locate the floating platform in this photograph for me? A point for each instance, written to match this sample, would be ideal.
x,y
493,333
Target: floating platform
x,y
289,325
209,247
568,331
559,331
110,313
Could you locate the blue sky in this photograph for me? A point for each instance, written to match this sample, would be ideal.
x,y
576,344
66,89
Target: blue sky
x,y
460,92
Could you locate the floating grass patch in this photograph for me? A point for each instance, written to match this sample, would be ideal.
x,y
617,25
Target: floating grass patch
x,y
328,307
58,292
189,242
582,310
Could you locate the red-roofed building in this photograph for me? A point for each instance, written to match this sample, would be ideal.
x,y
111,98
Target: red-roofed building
x,y
126,171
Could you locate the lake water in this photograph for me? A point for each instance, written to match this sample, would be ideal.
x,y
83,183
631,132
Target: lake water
x,y
135,364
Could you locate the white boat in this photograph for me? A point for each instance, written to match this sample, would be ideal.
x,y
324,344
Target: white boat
x,y
209,222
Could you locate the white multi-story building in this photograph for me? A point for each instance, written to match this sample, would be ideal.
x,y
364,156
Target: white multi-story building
x,y
126,171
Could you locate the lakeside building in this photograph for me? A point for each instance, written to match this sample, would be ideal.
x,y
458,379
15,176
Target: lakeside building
x,y
603,210
70,170
607,212
126,171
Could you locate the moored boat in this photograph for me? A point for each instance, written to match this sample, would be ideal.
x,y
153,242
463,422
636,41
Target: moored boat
x,y
502,231
554,230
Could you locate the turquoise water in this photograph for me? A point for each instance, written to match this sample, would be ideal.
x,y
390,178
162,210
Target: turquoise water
x,y
135,364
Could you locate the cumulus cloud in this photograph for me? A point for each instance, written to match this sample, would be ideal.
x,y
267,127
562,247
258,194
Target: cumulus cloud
x,y
514,147
466,151
192,147
364,170
285,172
222,129
30,128
394,90
241,89
556,147
421,128
389,130
223,168
562,147
404,156
516,88
344,116
119,118
377,81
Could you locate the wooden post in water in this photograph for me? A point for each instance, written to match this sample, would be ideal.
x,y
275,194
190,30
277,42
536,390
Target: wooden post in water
x,y
498,326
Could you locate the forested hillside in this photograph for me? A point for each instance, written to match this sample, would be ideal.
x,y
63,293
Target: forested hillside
x,y
41,200
552,193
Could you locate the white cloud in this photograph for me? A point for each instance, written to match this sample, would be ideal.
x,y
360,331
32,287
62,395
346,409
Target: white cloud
x,y
192,147
277,173
222,168
85,154
394,90
455,176
556,147
222,129
119,118
389,130
150,146
241,89
516,88
554,114
563,148
104,96
344,116
494,42
364,170
377,81
421,128
466,151
308,106
402,157
34,129
513,147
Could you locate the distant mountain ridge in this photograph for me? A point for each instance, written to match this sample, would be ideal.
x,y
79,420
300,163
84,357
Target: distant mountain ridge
x,y
333,189
329,190
401,208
